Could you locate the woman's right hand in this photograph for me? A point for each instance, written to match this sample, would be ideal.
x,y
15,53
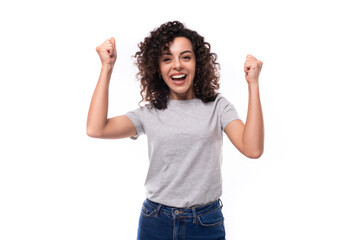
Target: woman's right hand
x,y
107,52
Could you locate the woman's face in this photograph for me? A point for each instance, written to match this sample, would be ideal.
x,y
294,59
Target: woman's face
x,y
177,66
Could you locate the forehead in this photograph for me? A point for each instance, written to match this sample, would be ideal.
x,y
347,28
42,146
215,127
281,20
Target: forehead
x,y
179,44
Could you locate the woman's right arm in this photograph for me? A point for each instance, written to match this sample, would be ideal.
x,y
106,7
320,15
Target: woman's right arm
x,y
98,125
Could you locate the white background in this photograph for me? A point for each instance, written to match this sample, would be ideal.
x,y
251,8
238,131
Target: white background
x,y
58,183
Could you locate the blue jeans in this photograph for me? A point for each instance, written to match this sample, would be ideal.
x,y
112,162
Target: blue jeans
x,y
160,222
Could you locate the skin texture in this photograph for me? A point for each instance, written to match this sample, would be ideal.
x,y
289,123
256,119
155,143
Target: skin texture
x,y
179,59
248,138
98,125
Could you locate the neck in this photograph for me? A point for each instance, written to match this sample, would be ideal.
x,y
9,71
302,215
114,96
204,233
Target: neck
x,y
184,96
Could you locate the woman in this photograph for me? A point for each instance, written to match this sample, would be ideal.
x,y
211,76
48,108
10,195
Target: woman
x,y
183,120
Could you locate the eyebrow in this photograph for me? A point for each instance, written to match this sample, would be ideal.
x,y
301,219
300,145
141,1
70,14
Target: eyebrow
x,y
169,53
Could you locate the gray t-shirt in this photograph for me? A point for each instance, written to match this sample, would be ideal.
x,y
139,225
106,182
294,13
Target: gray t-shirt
x,y
185,149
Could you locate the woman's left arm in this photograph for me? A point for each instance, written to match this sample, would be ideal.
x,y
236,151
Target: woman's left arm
x,y
248,138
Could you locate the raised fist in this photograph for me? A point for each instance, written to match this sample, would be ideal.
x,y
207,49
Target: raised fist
x,y
252,68
107,52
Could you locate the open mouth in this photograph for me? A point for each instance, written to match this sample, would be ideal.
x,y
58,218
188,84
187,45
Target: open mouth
x,y
178,79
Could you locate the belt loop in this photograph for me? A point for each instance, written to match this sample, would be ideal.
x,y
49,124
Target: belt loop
x,y
221,204
194,214
158,210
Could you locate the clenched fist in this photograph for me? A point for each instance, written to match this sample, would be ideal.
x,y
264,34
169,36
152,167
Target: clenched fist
x,y
252,68
107,52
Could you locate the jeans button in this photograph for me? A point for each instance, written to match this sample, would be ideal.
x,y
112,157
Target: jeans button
x,y
176,212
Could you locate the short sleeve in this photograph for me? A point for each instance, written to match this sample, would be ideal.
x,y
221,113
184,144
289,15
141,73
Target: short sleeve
x,y
228,112
136,117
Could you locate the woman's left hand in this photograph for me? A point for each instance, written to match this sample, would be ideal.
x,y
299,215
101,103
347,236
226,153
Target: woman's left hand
x,y
252,68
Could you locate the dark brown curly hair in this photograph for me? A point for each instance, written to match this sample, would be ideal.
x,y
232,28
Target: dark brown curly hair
x,y
153,87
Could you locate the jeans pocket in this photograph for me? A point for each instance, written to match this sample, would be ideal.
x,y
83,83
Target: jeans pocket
x,y
147,210
212,218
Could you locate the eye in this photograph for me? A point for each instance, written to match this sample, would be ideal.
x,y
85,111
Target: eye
x,y
187,57
166,59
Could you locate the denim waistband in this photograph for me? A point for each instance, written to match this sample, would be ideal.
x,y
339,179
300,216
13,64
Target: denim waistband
x,y
194,211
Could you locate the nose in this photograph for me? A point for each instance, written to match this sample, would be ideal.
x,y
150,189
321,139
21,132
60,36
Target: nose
x,y
177,64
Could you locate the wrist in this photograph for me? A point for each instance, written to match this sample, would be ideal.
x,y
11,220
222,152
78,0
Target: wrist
x,y
107,67
253,84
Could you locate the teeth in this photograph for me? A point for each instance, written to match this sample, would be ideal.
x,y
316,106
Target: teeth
x,y
178,76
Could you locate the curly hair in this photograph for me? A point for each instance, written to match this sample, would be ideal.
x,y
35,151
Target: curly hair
x,y
153,88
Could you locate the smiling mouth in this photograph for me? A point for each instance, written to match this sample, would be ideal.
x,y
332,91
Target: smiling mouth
x,y
178,79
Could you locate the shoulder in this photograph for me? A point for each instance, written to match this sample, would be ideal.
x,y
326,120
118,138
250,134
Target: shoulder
x,y
144,108
141,112
221,101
